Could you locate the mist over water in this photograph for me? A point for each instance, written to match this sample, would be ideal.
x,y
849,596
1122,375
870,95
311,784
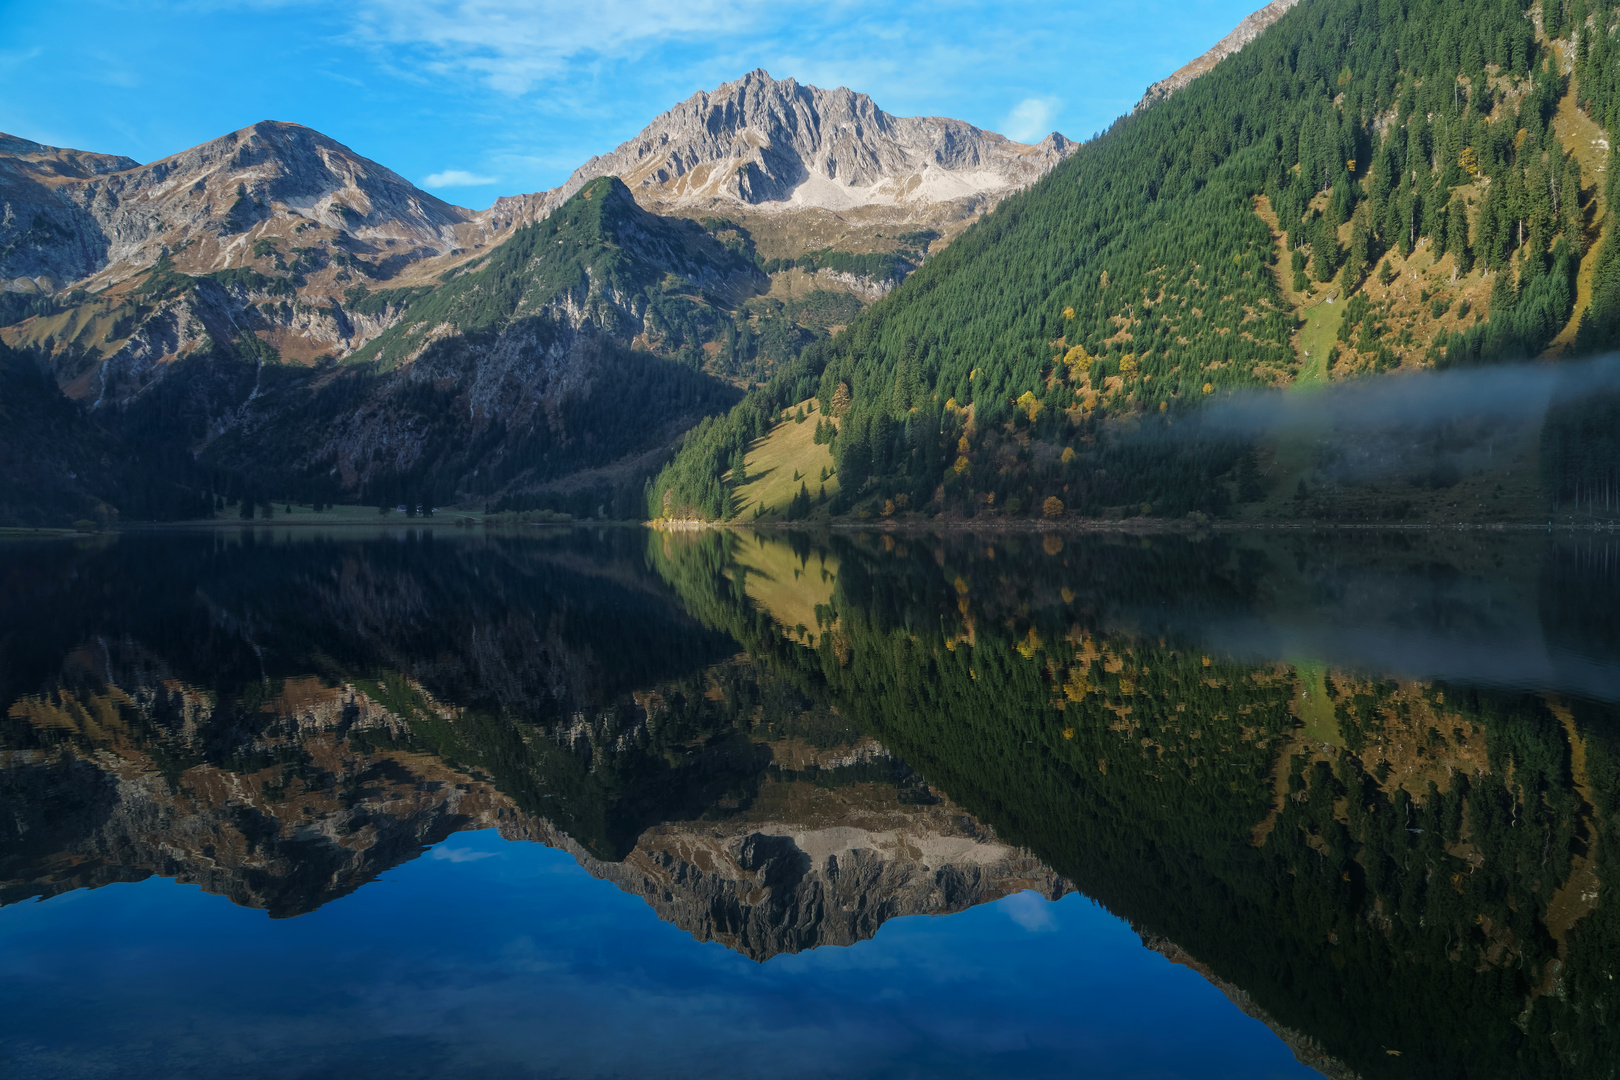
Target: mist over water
x,y
1428,428
1513,394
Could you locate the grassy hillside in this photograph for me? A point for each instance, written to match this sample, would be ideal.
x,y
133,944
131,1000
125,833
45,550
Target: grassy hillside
x,y
1426,165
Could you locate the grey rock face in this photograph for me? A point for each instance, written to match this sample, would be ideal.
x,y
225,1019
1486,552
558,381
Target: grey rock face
x,y
781,888
43,234
68,214
1246,31
769,144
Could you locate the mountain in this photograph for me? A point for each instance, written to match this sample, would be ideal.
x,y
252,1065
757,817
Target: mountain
x,y
1246,31
272,312
762,146
1359,190
91,220
282,197
513,701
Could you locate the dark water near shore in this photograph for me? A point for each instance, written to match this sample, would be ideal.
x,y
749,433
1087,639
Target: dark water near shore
x,y
589,803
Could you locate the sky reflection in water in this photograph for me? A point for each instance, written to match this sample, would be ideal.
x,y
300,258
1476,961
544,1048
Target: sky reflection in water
x,y
785,744
488,958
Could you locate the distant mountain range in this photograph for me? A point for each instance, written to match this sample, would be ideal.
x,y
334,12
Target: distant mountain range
x,y
271,315
91,220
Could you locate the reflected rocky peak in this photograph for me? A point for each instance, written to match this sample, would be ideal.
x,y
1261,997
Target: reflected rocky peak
x,y
295,790
780,742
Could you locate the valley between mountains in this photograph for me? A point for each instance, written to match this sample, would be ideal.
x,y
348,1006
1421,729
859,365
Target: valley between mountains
x,y
779,302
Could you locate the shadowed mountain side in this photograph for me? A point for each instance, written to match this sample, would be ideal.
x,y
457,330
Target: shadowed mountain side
x,y
511,377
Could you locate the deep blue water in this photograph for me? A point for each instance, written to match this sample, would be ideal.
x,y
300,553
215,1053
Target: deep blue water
x,y
488,958
1369,780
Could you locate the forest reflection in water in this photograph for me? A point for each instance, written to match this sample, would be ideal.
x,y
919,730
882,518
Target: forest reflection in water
x,y
1360,783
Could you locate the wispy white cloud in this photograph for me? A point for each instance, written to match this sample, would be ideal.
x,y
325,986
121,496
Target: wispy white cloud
x,y
1031,119
459,178
1030,910
445,853
515,45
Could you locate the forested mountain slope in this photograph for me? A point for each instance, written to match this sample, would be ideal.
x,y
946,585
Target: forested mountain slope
x,y
514,374
271,315
1370,185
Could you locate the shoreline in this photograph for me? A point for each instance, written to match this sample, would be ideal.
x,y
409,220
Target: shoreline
x,y
1131,527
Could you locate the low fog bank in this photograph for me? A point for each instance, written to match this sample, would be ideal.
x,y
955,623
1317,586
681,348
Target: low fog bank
x,y
1514,394
1429,428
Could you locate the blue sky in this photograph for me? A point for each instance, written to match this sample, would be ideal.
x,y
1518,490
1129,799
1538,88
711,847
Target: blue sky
x,y
473,99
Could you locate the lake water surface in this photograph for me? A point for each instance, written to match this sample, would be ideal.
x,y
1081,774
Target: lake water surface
x,y
286,803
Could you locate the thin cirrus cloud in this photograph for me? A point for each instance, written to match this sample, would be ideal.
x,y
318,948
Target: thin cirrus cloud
x,y
459,178
517,93
513,46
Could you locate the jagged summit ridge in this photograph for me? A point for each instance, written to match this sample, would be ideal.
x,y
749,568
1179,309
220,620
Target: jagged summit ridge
x,y
1246,31
779,144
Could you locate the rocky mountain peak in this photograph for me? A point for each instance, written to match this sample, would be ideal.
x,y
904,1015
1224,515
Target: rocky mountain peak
x,y
71,215
39,160
777,144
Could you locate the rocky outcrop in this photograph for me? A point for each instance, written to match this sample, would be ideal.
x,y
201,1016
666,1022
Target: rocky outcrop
x,y
47,239
1246,31
78,217
779,888
769,144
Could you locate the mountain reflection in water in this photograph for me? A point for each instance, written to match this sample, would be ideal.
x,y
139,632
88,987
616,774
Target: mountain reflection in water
x,y
1361,784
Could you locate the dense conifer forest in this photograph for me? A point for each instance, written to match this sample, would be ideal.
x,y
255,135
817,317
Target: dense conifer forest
x,y
1168,262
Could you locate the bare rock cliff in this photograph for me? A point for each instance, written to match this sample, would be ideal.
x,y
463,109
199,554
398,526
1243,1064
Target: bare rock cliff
x,y
783,888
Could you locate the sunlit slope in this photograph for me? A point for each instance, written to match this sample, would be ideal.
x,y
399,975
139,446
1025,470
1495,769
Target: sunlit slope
x,y
1389,189
784,461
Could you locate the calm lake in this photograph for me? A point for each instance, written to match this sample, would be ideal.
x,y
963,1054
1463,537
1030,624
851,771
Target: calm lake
x,y
429,802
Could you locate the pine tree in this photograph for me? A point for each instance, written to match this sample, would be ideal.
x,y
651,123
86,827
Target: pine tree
x,y
1457,235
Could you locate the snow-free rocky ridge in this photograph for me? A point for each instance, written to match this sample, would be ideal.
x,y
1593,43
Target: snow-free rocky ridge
x,y
1246,31
777,144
